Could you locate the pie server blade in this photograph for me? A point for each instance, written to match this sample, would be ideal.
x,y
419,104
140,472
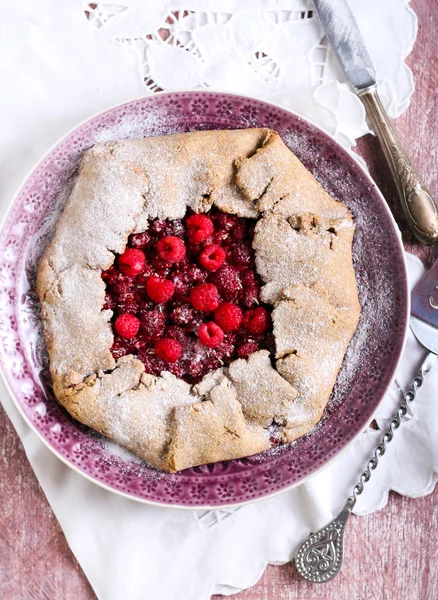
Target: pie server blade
x,y
424,311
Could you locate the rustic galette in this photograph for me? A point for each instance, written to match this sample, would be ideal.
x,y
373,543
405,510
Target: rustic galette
x,y
198,296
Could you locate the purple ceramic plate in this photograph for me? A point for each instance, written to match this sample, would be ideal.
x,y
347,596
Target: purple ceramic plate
x,y
368,367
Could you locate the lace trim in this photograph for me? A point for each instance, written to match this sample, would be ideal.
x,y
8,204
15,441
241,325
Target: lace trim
x,y
177,30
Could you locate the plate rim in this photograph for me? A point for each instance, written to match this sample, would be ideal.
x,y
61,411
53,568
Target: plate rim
x,y
364,173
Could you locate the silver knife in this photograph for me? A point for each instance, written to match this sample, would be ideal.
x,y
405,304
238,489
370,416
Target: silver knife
x,y
319,558
341,29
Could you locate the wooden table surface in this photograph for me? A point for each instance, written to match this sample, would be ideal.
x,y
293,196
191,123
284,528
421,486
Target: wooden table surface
x,y
391,554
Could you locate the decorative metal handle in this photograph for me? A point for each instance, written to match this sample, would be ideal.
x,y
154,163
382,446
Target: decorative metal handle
x,y
320,556
420,209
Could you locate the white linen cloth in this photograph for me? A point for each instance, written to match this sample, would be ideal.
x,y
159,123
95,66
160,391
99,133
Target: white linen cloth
x,y
59,67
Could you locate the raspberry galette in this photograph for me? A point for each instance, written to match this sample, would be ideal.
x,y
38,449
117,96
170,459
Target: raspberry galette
x,y
198,296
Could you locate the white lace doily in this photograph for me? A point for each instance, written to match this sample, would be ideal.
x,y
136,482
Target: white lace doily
x,y
274,50
74,59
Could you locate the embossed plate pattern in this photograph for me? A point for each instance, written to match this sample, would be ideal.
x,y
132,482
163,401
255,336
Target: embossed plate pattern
x,y
367,369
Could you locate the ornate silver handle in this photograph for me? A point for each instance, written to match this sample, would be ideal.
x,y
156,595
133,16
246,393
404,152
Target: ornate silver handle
x,y
319,558
420,209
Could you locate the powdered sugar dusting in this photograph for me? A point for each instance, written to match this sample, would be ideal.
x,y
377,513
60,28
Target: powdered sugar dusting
x,y
131,126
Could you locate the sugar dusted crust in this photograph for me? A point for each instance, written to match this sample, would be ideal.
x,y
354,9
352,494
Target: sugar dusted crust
x,y
303,254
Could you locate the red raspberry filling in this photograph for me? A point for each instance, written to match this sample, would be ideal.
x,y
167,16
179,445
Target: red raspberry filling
x,y
132,262
210,334
205,297
247,348
185,296
127,326
228,316
228,282
212,257
171,249
140,240
152,324
199,228
257,320
159,289
168,350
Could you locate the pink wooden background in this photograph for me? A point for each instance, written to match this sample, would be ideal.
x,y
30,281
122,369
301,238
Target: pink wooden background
x,y
391,555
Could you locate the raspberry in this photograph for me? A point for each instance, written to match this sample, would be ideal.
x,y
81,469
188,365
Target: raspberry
x,y
226,347
110,275
182,285
210,364
250,296
195,369
176,333
160,227
185,277
152,324
248,278
109,302
132,295
186,315
140,240
247,348
227,281
119,349
238,233
127,326
212,257
177,228
176,369
168,350
139,342
183,264
226,221
161,267
199,228
241,254
122,284
256,320
127,305
159,289
196,275
132,262
228,316
220,237
210,334
195,249
152,363
205,297
171,249
142,278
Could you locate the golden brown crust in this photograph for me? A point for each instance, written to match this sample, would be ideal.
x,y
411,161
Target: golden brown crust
x,y
306,253
213,429
303,253
264,395
312,336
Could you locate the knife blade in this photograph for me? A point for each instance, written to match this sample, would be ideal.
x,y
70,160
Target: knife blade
x,y
341,29
420,210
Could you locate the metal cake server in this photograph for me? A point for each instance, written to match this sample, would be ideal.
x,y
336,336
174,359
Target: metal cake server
x,y
320,556
341,29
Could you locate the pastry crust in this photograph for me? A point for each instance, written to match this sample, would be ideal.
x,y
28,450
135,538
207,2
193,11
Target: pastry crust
x,y
303,254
